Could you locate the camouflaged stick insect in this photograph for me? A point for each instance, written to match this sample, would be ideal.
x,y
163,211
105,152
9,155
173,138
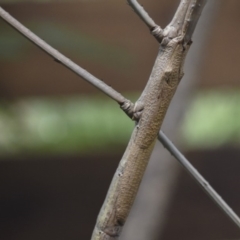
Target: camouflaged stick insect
x,y
150,110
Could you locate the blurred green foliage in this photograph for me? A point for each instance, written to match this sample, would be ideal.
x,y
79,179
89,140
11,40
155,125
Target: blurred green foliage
x,y
213,120
77,124
92,124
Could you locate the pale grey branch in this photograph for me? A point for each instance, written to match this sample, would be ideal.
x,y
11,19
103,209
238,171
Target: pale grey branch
x,y
155,99
179,16
192,18
185,19
60,58
198,177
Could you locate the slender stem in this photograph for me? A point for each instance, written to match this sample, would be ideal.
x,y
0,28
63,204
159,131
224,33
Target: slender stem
x,y
140,11
62,59
199,178
155,29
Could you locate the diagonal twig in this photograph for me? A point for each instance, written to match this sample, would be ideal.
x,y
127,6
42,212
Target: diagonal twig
x,y
140,11
199,178
126,105
62,59
155,29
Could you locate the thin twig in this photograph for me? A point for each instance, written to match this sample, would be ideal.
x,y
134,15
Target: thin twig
x,y
199,178
155,29
62,59
140,11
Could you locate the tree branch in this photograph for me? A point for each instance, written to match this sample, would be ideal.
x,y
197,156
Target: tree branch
x,y
155,29
199,178
193,17
152,107
60,58
140,11
185,19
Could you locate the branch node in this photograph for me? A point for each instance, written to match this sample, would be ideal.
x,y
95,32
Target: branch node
x,y
137,110
157,32
134,111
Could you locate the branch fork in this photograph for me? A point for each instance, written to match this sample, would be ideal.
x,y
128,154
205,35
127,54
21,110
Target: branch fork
x,y
134,111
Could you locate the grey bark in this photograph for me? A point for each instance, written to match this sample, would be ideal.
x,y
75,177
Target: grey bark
x,y
147,217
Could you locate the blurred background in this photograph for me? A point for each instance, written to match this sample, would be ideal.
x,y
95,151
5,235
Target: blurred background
x,y
61,139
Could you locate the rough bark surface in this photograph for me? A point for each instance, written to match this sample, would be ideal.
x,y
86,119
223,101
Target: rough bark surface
x,y
155,99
